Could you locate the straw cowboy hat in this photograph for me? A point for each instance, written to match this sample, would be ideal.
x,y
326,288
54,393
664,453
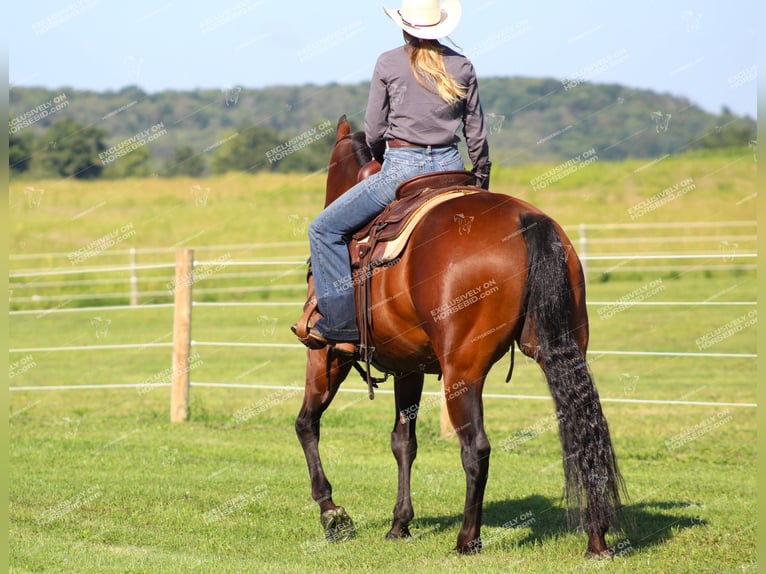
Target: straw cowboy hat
x,y
427,19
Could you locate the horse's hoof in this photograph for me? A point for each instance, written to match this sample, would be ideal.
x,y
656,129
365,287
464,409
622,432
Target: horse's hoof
x,y
403,532
473,547
337,524
591,555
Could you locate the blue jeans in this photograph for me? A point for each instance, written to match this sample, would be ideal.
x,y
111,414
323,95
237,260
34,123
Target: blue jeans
x,y
332,229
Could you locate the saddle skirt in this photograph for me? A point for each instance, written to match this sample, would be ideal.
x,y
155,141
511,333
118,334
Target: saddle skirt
x,y
384,238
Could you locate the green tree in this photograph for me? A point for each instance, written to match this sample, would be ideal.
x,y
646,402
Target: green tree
x,y
529,119
72,150
186,162
138,163
20,148
730,131
313,157
250,148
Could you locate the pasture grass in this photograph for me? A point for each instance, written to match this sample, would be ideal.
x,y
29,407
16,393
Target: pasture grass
x,y
62,216
100,481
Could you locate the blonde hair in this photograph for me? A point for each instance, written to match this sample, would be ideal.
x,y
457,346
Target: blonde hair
x,y
427,63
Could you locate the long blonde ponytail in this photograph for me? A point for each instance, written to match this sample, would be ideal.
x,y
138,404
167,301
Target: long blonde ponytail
x,y
427,63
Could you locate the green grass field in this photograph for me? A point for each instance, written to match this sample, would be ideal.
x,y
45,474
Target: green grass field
x,y
100,481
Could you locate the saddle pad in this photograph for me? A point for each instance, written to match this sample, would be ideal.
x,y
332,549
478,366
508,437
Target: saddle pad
x,y
386,247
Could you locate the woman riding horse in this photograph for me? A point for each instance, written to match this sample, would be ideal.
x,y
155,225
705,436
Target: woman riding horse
x,y
456,301
419,95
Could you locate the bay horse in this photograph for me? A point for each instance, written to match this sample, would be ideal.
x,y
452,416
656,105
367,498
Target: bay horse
x,y
456,301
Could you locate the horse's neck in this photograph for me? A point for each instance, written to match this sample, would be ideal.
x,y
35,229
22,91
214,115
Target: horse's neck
x,y
332,194
341,175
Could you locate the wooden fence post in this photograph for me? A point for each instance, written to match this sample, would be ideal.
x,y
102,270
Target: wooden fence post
x,y
133,278
446,424
179,398
584,249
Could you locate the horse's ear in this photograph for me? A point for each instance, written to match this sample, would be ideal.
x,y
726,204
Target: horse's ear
x,y
343,129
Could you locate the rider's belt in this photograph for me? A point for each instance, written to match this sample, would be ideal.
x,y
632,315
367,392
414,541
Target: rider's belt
x,y
403,143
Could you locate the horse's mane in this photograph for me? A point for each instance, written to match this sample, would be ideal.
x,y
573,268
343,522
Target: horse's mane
x,y
360,147
362,151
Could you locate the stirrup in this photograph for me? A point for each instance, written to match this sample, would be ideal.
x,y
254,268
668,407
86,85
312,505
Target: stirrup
x,y
302,328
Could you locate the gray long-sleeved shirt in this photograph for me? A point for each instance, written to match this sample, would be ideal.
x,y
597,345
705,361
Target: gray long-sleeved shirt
x,y
398,107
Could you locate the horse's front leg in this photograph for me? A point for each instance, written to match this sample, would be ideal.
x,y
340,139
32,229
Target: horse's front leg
x,y
318,394
404,444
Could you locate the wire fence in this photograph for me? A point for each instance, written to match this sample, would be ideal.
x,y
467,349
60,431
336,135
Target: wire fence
x,y
223,281
298,303
252,271
202,384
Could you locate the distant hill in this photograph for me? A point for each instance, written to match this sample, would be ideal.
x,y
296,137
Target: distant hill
x,y
530,120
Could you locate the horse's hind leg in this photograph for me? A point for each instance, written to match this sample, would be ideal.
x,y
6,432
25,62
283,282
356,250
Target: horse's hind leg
x,y
404,444
318,395
463,397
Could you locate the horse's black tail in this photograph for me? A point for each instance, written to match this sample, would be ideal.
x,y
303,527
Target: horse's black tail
x,y
593,484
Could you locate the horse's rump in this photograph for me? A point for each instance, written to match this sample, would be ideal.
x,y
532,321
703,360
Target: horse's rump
x,y
463,271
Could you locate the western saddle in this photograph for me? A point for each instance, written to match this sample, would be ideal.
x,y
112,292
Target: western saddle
x,y
381,241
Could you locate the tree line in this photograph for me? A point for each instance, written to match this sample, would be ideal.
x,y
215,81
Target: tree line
x,y
131,133
70,149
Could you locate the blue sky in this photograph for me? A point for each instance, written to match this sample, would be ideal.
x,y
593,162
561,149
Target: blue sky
x,y
705,50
